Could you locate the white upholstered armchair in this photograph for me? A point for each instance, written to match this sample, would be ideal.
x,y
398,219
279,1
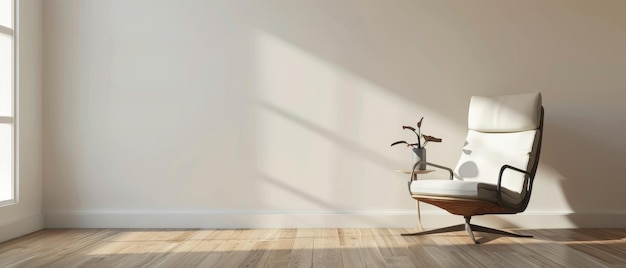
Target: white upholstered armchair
x,y
497,166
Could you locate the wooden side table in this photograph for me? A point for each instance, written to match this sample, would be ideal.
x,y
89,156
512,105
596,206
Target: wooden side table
x,y
408,171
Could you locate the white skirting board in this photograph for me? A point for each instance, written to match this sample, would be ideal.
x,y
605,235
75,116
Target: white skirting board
x,y
255,219
22,226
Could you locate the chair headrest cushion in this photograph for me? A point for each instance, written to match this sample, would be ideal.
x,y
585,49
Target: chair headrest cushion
x,y
506,113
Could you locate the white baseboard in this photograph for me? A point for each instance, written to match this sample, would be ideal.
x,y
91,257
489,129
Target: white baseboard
x,y
21,226
230,220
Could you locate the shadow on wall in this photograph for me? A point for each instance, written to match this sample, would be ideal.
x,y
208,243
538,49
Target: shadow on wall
x,y
590,157
355,37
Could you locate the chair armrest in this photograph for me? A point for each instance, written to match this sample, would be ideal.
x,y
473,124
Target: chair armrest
x,y
499,186
442,167
430,164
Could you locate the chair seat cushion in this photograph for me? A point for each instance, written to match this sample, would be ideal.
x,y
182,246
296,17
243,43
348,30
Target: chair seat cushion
x,y
463,189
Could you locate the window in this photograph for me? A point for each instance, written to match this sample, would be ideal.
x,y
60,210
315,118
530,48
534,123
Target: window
x,y
7,102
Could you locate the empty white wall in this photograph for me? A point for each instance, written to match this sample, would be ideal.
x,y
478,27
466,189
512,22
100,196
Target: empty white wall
x,y
280,113
25,216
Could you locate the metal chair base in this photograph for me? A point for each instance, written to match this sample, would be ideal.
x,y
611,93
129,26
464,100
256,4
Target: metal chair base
x,y
470,228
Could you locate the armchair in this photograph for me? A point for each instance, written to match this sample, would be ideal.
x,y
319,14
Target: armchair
x,y
497,167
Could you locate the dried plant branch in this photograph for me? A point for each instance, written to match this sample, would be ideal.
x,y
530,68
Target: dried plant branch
x,y
399,142
418,133
431,138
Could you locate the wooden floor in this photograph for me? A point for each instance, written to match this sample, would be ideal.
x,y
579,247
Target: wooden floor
x,y
311,248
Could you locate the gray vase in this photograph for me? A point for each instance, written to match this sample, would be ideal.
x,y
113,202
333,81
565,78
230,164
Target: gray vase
x,y
419,154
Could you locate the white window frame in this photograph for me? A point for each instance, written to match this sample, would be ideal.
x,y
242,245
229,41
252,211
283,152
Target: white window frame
x,y
12,120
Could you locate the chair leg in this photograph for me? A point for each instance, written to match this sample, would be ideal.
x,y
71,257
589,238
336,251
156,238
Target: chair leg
x,y
478,228
454,228
469,228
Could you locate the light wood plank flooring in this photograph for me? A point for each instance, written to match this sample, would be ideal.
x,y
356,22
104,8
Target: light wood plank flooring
x,y
311,248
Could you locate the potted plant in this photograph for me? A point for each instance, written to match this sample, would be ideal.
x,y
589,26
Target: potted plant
x,y
419,150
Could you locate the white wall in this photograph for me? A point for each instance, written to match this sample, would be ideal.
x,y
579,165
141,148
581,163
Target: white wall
x,y
26,216
280,113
